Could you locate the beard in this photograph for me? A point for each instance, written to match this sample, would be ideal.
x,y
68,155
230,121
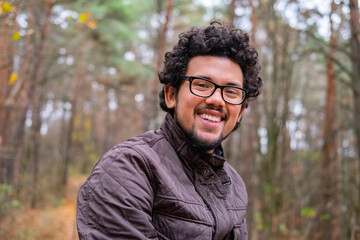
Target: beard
x,y
193,140
196,142
199,144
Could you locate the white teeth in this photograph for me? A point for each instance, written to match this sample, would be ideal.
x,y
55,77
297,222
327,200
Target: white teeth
x,y
211,118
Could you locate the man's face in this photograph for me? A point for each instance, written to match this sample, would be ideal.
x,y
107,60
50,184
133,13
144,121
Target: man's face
x,y
207,120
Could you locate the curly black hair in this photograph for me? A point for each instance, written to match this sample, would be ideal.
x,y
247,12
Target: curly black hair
x,y
217,39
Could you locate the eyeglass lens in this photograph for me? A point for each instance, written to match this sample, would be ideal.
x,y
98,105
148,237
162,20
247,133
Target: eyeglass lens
x,y
205,88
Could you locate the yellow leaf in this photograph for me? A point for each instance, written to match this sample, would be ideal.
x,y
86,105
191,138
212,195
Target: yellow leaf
x,y
87,125
92,24
6,7
16,36
84,17
13,78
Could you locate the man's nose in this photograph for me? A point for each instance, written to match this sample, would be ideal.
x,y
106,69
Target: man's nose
x,y
216,99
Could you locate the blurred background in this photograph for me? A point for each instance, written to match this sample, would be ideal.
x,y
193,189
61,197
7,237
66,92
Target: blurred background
x,y
79,76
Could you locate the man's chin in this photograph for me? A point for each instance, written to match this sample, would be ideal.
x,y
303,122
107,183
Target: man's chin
x,y
202,144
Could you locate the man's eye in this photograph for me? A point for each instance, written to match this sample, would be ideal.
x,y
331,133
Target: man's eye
x,y
231,92
201,84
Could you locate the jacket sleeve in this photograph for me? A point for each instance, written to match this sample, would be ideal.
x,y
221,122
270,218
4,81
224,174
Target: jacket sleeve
x,y
116,200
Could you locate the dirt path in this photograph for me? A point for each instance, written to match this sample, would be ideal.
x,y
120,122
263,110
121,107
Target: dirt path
x,y
56,223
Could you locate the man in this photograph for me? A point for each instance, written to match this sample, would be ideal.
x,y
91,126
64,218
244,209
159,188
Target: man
x,y
174,183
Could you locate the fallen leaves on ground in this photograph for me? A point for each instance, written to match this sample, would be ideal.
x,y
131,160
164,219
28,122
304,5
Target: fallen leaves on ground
x,y
56,223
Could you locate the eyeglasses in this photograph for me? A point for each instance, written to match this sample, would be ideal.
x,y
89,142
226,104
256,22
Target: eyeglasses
x,y
203,87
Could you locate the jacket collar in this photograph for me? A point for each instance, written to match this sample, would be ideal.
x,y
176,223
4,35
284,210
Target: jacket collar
x,y
195,157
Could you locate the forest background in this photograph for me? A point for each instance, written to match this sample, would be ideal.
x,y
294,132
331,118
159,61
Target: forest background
x,y
77,77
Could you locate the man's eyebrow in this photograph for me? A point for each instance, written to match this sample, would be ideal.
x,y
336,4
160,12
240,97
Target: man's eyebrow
x,y
229,83
234,84
203,76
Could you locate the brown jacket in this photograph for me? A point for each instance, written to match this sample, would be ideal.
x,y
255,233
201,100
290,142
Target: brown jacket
x,y
155,186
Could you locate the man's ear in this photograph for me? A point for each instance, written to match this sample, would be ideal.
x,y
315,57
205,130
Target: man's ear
x,y
241,112
170,96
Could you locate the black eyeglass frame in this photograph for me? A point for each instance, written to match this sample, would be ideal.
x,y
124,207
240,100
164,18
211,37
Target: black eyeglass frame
x,y
191,78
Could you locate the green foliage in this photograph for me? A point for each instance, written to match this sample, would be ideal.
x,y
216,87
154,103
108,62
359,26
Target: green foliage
x,y
15,203
269,188
5,190
258,220
312,156
28,235
8,203
117,31
283,228
308,212
325,217
295,232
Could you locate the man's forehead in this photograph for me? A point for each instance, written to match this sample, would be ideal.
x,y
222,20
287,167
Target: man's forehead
x,y
221,70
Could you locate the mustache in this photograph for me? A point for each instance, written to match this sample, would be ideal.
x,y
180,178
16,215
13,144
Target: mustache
x,y
211,107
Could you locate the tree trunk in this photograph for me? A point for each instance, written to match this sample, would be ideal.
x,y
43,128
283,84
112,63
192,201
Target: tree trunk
x,y
328,210
152,121
16,97
270,161
4,76
355,61
38,59
34,149
74,105
275,165
69,142
229,143
108,124
252,141
4,60
232,6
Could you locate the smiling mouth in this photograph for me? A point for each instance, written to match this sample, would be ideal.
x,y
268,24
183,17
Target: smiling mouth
x,y
210,118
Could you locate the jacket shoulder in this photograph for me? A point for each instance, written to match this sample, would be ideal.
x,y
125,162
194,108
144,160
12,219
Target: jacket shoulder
x,y
133,154
119,192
